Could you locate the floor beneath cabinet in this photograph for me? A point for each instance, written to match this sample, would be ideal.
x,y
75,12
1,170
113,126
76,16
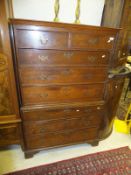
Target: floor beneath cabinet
x,y
13,159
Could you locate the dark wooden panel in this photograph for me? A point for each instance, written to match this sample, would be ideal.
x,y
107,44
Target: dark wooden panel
x,y
9,111
9,134
5,99
112,13
114,90
47,75
41,39
117,14
51,57
60,138
55,94
7,80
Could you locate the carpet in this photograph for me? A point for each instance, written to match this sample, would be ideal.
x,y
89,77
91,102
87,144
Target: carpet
x,y
112,162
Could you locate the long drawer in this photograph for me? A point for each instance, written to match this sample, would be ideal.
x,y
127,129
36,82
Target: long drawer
x,y
60,138
61,40
56,94
55,57
41,114
45,75
39,127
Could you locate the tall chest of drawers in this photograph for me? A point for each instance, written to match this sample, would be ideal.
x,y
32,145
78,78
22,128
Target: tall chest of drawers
x,y
65,95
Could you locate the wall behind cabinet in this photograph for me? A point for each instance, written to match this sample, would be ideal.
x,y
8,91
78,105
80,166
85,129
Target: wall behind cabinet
x,y
91,10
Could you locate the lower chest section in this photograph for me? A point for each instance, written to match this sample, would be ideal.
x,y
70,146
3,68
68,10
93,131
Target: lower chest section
x,y
55,127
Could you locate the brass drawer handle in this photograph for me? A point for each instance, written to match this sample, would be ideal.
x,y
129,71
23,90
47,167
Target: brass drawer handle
x,y
43,58
66,88
67,72
88,76
44,95
66,91
43,40
93,40
42,130
91,58
68,54
43,77
110,39
67,110
87,110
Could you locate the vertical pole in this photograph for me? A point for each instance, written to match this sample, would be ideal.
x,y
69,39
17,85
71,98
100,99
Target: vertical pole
x,y
56,9
77,13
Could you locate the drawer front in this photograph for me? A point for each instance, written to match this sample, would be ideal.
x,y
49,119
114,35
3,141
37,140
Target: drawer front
x,y
54,94
97,40
9,134
51,57
41,39
44,75
60,138
67,112
61,124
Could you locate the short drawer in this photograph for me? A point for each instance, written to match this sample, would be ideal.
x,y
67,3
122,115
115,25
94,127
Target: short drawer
x,y
41,39
92,113
35,57
60,138
91,40
39,127
9,134
55,94
47,75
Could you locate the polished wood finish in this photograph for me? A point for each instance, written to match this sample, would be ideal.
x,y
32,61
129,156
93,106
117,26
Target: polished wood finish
x,y
60,138
64,91
5,102
10,132
54,112
60,75
30,57
63,40
53,94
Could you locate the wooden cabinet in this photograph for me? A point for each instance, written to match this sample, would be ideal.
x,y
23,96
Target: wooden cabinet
x,y
5,102
117,14
10,131
62,76
9,134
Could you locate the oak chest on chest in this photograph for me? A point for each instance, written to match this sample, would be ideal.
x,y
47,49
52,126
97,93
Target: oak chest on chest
x,y
62,80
